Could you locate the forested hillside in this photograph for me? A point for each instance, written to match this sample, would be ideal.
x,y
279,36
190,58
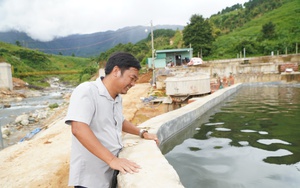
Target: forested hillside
x,y
259,26
265,26
236,16
31,64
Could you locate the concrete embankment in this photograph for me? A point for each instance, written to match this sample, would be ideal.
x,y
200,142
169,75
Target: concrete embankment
x,y
156,171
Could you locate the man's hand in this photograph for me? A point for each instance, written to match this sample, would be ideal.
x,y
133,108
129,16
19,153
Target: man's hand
x,y
150,136
124,165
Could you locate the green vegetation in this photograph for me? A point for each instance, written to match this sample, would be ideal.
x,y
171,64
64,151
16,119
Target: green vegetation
x,y
199,33
283,16
55,105
25,60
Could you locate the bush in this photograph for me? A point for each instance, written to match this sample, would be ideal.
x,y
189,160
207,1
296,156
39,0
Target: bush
x,y
55,105
85,77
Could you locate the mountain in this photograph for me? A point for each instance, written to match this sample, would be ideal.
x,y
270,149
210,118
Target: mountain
x,y
84,45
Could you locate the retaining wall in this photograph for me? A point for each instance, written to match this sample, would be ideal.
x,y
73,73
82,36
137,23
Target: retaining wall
x,y
156,171
255,69
253,66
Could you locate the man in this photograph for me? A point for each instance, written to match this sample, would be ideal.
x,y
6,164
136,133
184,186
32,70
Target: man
x,y
95,116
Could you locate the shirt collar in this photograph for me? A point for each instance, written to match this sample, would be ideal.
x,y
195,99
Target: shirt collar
x,y
104,92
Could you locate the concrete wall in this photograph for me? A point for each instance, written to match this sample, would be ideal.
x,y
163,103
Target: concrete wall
x,y
5,76
292,58
258,69
291,77
156,171
254,65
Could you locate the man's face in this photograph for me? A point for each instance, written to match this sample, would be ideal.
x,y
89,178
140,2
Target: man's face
x,y
128,79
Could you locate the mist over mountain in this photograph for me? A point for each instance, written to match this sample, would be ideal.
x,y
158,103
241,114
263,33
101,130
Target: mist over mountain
x,y
84,45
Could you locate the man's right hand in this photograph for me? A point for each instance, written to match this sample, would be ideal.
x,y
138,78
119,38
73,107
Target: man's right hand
x,y
124,165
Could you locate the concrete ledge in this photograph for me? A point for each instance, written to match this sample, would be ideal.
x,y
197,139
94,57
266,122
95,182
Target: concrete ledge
x,y
156,170
290,77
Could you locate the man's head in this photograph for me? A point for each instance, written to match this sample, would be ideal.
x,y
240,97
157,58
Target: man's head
x,y
122,60
122,70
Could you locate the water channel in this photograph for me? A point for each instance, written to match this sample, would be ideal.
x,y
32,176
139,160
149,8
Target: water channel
x,y
250,140
28,105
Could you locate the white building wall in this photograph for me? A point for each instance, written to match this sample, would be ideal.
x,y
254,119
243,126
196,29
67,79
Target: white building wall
x,y
5,76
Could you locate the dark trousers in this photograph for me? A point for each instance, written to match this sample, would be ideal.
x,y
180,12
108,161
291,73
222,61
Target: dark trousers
x,y
114,181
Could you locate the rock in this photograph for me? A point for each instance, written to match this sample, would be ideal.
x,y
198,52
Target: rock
x,y
24,122
20,98
7,105
21,117
4,136
42,114
5,132
31,120
19,127
67,96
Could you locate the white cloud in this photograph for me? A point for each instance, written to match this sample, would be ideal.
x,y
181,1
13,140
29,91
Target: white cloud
x,y
46,19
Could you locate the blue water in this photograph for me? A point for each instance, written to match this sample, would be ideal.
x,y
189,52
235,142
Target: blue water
x,y
250,140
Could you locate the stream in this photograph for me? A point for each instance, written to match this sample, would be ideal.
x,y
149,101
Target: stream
x,y
28,105
40,101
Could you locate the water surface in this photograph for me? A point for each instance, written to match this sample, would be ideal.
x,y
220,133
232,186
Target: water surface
x,y
250,140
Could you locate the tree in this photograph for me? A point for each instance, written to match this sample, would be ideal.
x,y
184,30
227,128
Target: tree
x,y
162,33
18,43
268,30
198,33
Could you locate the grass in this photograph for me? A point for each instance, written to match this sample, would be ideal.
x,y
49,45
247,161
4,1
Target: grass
x,y
25,60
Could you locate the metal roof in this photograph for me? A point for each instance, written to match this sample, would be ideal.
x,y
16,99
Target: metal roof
x,y
174,50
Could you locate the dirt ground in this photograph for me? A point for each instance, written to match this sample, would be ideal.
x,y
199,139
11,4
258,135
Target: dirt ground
x,y
43,161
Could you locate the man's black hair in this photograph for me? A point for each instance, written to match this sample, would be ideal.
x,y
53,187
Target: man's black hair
x,y
123,60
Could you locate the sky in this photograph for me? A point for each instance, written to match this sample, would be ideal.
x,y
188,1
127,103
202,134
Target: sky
x,y
45,20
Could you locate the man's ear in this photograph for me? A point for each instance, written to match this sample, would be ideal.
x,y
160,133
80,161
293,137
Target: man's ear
x,y
117,71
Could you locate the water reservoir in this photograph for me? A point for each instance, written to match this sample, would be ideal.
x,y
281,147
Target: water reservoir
x,y
249,140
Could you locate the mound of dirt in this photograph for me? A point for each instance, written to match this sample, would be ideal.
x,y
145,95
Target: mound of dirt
x,y
145,77
18,83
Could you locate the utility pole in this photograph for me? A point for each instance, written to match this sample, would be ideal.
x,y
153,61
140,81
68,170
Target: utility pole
x,y
152,60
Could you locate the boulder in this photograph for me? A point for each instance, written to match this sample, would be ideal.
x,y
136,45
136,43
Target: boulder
x,y
21,118
25,122
5,132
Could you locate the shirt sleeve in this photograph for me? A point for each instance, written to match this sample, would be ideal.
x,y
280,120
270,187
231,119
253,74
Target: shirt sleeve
x,y
81,107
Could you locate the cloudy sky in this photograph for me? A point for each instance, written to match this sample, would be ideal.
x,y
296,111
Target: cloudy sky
x,y
46,19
